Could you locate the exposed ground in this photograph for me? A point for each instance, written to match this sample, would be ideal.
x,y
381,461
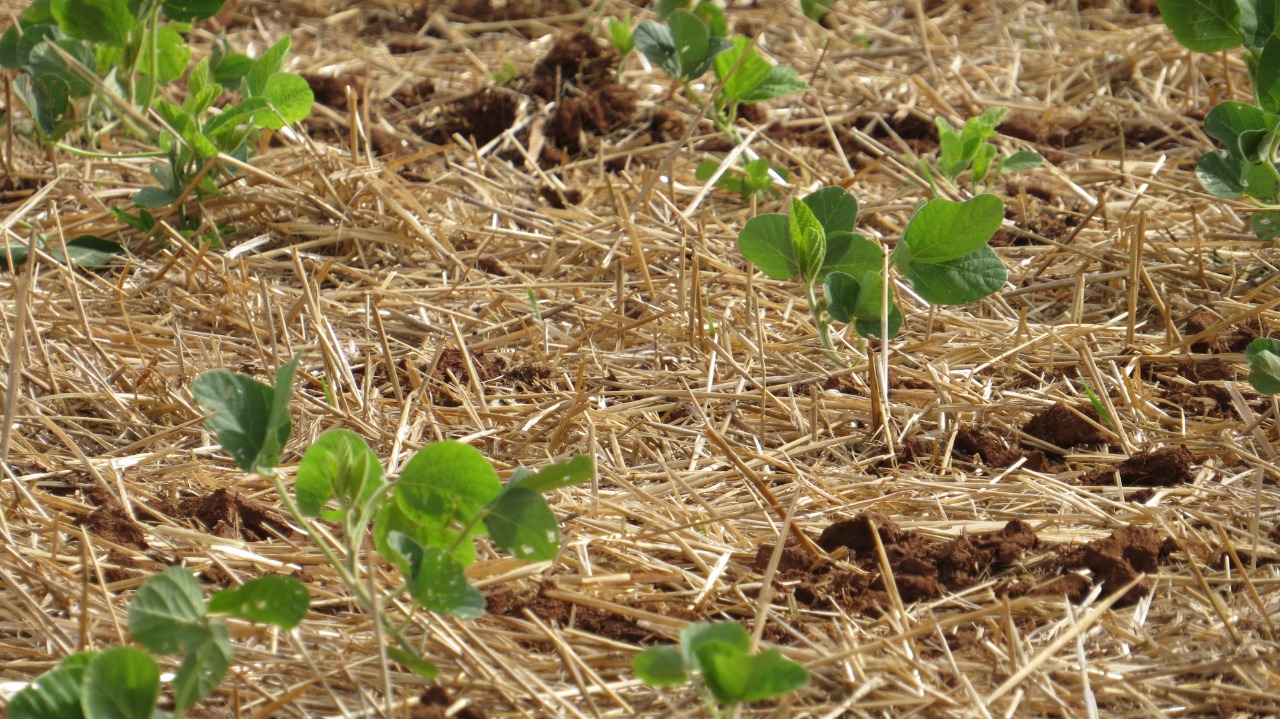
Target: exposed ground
x,y
1044,562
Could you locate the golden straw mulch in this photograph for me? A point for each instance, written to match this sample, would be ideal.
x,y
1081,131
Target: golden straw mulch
x,y
395,248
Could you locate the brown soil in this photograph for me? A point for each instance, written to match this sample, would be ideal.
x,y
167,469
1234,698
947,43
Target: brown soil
x,y
1062,427
563,614
111,523
434,704
1120,558
1229,340
970,441
226,514
1163,467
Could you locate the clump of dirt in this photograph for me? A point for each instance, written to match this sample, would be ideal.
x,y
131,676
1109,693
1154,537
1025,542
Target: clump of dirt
x,y
531,375
921,569
329,90
1163,467
1120,558
1203,400
1069,130
119,567
110,522
1231,340
434,704
560,199
1063,427
576,61
970,442
917,131
452,364
666,125
483,116
226,514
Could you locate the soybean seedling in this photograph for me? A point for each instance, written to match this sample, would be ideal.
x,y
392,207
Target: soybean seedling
x,y
943,255
969,149
168,615
424,523
719,653
1249,133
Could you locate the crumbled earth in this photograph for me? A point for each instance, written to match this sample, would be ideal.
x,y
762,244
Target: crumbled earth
x,y
113,524
924,569
434,704
1227,340
563,614
226,514
970,441
1062,427
1163,467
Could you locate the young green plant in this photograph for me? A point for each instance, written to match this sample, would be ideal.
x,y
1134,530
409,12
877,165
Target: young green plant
x,y
719,653
943,255
969,149
168,615
694,39
1246,165
424,523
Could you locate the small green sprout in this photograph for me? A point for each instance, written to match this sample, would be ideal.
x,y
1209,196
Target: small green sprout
x,y
720,653
423,523
754,177
168,615
1263,356
943,255
1249,133
969,149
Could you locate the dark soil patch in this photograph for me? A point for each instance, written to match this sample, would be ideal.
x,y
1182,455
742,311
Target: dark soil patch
x,y
483,116
1230,340
1062,427
1163,467
110,522
530,375
1203,400
560,199
1120,558
452,366
226,514
578,61
558,612
119,567
970,442
1067,131
434,704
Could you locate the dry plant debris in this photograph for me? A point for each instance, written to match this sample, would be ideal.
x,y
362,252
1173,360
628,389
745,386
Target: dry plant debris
x,y
1005,552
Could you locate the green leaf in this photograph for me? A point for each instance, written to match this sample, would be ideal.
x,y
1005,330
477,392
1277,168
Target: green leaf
x,y
522,525
231,69
446,484
203,668
48,97
271,599
943,230
152,198
808,241
982,162
660,666
1266,82
750,72
238,113
692,41
391,518
770,675
172,55
87,251
1203,25
167,615
576,470
142,222
654,41
265,66
780,81
15,254
1263,355
1258,22
621,37
1265,225
44,60
107,21
417,665
851,300
1021,160
815,10
699,634
191,10
338,463
714,17
854,254
765,240
250,419
121,683
834,208
1227,121
958,281
725,670
291,99
436,580
54,694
